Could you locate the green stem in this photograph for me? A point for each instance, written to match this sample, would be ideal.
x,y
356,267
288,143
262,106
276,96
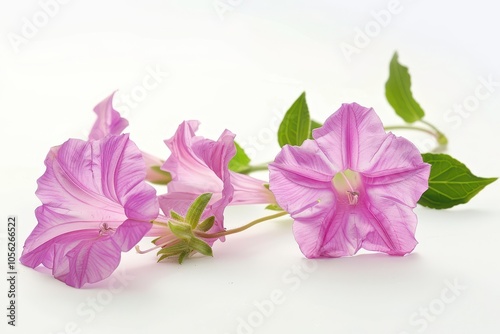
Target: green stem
x,y
154,222
441,138
410,127
256,168
239,229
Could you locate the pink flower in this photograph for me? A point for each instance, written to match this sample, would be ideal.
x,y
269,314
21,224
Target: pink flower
x,y
95,206
354,186
199,165
109,122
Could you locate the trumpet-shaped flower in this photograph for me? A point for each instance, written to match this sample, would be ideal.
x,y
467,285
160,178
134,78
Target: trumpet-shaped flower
x,y
354,186
95,205
199,165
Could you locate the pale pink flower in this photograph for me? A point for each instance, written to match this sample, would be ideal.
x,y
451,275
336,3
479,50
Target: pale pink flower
x,y
354,186
109,122
96,204
199,165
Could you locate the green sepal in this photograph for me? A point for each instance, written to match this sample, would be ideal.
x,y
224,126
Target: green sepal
x,y
181,230
274,207
206,224
167,177
175,216
172,250
196,209
182,256
200,246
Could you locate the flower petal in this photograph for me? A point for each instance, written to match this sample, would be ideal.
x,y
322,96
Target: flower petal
x,y
108,120
88,191
249,190
397,171
351,137
389,227
330,232
300,178
89,261
190,172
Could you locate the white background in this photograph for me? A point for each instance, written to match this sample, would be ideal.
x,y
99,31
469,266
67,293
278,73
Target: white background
x,y
241,70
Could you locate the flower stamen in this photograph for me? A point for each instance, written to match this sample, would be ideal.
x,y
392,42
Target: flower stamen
x,y
352,197
104,229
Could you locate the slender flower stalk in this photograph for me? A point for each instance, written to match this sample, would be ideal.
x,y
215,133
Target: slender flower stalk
x,y
241,228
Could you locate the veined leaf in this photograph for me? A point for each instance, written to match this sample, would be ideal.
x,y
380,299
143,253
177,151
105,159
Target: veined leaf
x,y
240,161
296,125
314,125
398,92
450,182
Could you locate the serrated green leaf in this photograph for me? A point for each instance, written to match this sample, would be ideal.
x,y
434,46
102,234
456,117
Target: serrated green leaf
x,y
240,162
296,125
200,246
398,92
196,209
314,125
450,182
206,224
181,230
175,216
166,176
274,207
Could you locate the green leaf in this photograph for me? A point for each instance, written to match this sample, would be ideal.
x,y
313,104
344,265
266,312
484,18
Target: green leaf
x,y
274,207
207,224
450,182
296,125
240,162
166,177
196,209
314,125
398,92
